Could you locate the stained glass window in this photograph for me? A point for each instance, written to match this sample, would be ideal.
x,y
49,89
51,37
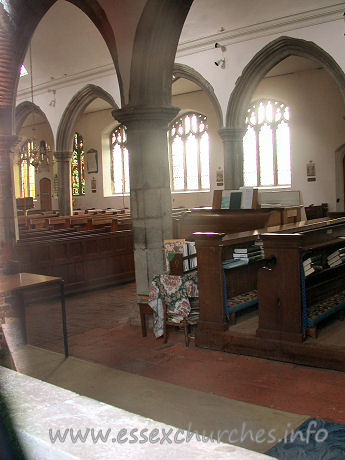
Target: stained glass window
x,y
189,153
78,166
266,144
119,160
27,171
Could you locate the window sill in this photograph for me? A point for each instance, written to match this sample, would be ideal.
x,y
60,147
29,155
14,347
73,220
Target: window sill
x,y
273,187
119,194
190,191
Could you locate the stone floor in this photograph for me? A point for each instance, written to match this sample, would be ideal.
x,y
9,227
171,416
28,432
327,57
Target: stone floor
x,y
52,423
111,362
99,331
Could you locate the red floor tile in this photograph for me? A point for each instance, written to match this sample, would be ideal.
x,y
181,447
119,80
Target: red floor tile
x,y
99,331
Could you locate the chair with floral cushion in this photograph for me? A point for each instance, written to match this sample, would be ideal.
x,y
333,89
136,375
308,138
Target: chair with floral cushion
x,y
187,324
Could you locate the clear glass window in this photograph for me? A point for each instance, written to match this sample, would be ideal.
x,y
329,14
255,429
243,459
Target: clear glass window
x,y
266,144
189,153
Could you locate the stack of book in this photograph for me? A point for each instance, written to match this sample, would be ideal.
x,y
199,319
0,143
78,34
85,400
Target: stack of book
x,y
248,254
233,263
260,244
336,258
312,264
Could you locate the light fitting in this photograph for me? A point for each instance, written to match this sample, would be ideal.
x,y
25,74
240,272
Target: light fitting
x,y
218,45
220,63
32,151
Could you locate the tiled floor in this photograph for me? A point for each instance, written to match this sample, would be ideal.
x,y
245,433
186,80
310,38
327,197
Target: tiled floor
x,y
99,332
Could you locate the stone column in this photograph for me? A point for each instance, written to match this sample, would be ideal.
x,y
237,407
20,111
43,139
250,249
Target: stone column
x,y
7,223
150,186
233,157
7,199
64,182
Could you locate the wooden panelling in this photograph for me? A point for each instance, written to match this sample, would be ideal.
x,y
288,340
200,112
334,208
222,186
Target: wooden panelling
x,y
84,260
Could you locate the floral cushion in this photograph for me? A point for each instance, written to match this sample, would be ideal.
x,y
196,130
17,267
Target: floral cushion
x,y
325,308
174,292
242,301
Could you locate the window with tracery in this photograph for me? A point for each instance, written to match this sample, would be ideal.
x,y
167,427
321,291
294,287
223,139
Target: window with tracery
x,y
27,170
119,160
78,166
266,144
189,153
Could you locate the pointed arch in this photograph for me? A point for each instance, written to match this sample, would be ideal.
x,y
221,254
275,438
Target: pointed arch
x,y
184,71
154,51
23,110
265,60
16,35
74,110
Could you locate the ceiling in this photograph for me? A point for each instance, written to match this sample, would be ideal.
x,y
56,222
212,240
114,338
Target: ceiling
x,y
66,36
207,17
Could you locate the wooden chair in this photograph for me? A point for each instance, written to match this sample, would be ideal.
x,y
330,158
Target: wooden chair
x,y
144,309
191,320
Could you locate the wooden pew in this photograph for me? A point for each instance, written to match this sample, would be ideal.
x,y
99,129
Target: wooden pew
x,y
225,220
84,261
212,249
283,287
79,223
124,223
97,222
62,233
58,222
41,232
288,301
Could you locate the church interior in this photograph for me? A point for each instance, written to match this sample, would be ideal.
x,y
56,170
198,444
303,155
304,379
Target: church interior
x,y
172,225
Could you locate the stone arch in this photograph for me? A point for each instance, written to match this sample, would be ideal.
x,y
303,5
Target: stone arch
x,y
16,29
74,110
265,60
154,51
184,71
23,110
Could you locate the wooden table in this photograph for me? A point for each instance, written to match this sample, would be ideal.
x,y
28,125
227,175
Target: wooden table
x,y
20,282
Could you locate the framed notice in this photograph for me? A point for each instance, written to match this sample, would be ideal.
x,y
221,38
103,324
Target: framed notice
x,y
311,174
92,161
219,177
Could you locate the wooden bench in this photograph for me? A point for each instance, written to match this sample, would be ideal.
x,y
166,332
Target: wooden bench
x,y
225,221
304,301
84,260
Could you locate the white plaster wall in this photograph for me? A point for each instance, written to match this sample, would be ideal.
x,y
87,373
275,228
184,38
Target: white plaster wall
x,y
95,127
64,95
329,36
317,129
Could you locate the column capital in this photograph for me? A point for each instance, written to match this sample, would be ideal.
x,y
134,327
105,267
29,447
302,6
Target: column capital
x,y
232,134
157,115
63,156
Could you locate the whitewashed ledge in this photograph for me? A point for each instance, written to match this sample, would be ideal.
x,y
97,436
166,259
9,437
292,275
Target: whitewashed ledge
x,y
36,407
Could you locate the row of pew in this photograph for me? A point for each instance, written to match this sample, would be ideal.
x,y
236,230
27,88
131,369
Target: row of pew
x,y
85,259
87,250
78,222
